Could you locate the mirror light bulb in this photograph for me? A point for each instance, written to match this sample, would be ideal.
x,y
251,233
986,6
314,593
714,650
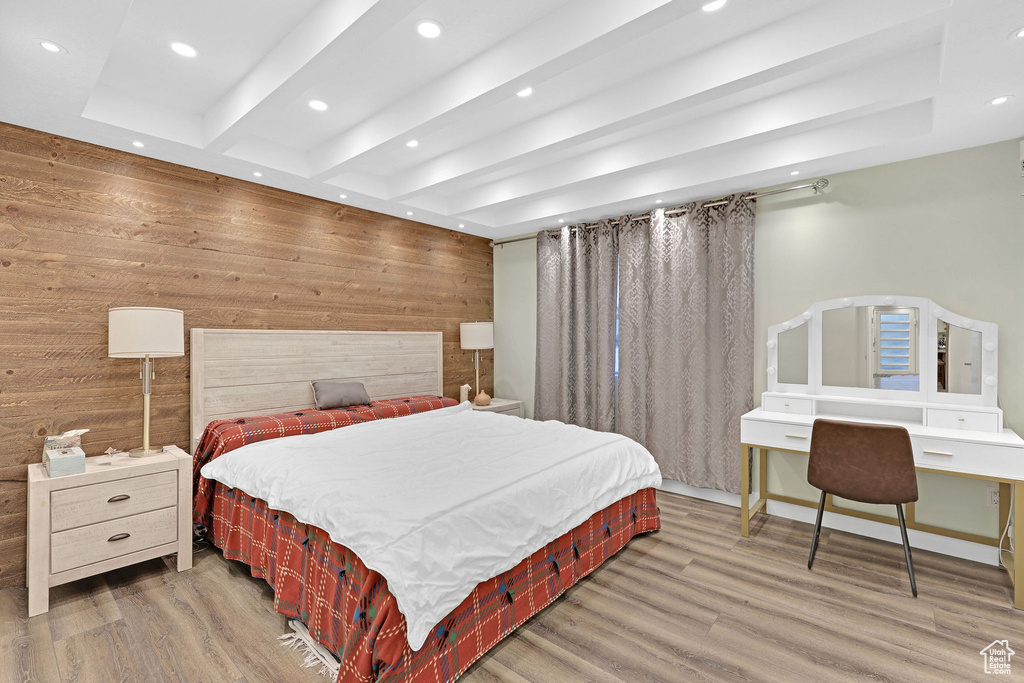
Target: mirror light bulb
x,y
990,380
847,302
938,312
770,344
771,371
968,323
990,346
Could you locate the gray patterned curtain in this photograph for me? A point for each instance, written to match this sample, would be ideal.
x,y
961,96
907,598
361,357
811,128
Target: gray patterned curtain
x,y
686,339
576,308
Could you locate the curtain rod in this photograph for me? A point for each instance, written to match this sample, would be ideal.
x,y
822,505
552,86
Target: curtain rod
x,y
819,184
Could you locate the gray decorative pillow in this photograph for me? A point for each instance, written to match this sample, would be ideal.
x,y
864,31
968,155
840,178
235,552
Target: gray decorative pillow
x,y
329,395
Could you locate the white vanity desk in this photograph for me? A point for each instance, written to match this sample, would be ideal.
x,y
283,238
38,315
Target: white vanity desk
x,y
890,360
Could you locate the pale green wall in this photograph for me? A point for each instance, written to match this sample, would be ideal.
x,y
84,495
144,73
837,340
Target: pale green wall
x,y
515,321
948,227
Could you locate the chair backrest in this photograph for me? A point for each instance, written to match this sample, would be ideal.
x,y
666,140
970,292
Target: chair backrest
x,y
864,462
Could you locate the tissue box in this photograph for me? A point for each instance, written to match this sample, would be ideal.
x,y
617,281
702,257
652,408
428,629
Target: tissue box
x,y
61,462
68,439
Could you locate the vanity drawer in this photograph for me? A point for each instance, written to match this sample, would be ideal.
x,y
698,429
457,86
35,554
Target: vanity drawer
x,y
97,542
797,406
963,419
84,505
969,457
789,437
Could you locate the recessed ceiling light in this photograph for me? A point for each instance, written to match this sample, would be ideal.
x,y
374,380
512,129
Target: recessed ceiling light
x,y
408,213
138,143
657,201
561,220
183,49
413,143
257,174
1019,33
429,29
525,92
794,173
318,105
343,196
1002,99
462,225
716,5
50,46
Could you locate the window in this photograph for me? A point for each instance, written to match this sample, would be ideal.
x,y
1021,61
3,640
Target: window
x,y
895,341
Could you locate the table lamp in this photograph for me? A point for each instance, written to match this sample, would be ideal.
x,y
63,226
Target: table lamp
x,y
146,333
477,336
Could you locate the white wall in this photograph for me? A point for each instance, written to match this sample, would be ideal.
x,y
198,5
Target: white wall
x,y
948,227
515,321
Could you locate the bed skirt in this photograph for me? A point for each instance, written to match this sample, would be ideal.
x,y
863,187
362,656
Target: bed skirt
x,y
349,609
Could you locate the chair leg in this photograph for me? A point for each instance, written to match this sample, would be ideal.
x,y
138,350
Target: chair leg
x,y
817,530
906,550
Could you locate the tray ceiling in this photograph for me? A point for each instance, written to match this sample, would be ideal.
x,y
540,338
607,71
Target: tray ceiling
x,y
632,103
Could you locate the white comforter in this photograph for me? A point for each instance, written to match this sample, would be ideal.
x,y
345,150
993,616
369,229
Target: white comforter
x,y
440,501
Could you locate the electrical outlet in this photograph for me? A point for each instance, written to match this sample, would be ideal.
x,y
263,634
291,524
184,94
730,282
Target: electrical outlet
x,y
993,496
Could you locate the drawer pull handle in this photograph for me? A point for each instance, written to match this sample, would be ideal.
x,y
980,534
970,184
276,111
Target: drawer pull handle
x,y
935,452
796,436
118,537
118,498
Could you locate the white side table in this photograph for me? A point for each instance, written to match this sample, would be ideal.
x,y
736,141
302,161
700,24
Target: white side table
x,y
503,405
120,511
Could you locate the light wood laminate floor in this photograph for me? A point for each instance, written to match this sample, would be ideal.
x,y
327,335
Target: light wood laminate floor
x,y
693,601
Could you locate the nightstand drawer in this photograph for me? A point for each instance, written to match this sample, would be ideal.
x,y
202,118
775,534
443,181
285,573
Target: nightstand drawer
x,y
97,542
85,505
510,410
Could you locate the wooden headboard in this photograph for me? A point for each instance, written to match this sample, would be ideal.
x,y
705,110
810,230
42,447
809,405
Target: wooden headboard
x,y
260,372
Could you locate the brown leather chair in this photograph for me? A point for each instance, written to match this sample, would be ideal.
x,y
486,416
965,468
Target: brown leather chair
x,y
863,462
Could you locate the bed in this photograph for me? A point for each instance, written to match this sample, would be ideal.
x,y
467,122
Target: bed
x,y
252,386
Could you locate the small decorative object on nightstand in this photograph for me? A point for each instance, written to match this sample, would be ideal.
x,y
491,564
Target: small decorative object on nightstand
x,y
120,511
502,405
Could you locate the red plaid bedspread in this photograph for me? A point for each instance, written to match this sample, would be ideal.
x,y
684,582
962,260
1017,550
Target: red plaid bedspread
x,y
349,608
222,436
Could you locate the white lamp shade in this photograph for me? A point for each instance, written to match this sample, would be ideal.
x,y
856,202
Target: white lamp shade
x,y
476,335
137,332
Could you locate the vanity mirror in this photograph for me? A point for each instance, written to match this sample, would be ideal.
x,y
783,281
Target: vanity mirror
x,y
959,362
871,347
793,355
886,356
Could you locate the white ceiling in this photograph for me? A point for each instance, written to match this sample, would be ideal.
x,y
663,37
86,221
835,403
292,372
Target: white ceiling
x,y
633,101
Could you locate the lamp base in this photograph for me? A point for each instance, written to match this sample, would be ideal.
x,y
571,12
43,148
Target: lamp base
x,y
143,452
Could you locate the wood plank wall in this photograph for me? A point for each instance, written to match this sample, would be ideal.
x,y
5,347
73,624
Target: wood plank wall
x,y
84,228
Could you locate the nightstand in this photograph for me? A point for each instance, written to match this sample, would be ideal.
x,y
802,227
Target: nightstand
x,y
110,516
503,405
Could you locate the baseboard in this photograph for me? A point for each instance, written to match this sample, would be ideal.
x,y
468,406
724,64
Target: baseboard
x,y
944,545
723,497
